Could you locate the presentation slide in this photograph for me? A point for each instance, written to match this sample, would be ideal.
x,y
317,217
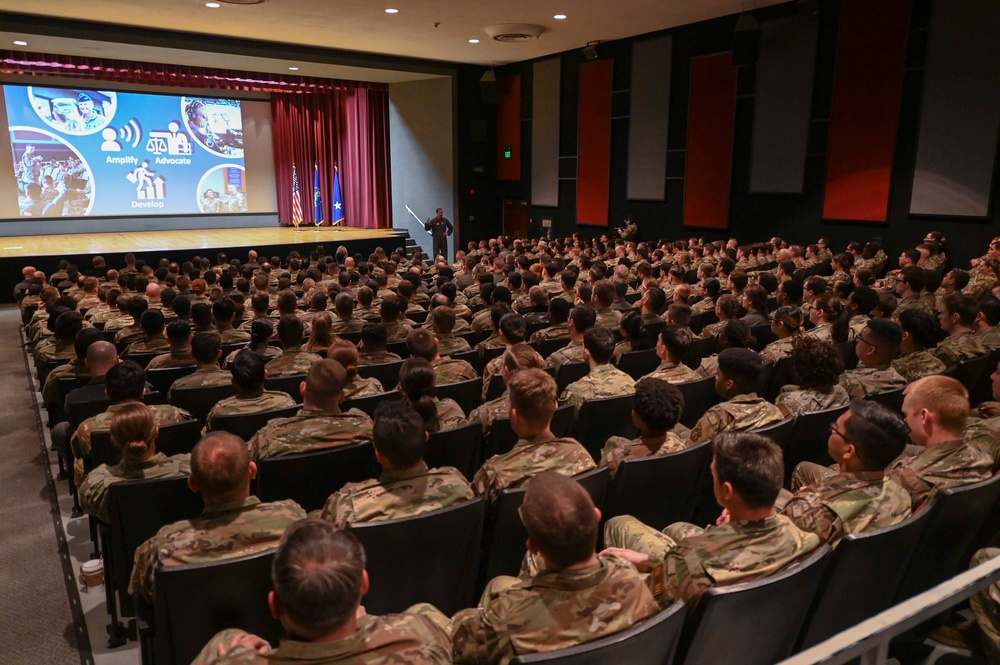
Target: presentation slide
x,y
91,152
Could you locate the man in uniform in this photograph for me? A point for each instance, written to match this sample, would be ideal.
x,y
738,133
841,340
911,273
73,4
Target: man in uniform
x,y
603,379
558,327
440,228
532,403
152,324
442,320
373,342
518,357
877,346
422,344
346,322
858,496
751,541
919,334
132,330
656,410
512,329
736,382
206,348
179,339
603,299
293,360
958,319
223,313
234,522
581,319
578,596
61,345
248,373
395,330
76,367
319,579
406,487
671,345
320,424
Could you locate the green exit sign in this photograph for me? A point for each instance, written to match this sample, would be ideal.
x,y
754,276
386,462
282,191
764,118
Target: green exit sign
x,y
507,153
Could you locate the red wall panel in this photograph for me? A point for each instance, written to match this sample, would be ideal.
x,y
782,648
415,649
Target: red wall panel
x,y
593,162
711,124
867,87
509,127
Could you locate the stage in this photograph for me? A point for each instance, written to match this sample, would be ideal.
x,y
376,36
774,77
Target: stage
x,y
45,252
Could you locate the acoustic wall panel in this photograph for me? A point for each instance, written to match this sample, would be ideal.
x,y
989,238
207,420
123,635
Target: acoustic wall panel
x,y
593,170
783,104
960,114
545,133
509,127
867,87
649,119
711,123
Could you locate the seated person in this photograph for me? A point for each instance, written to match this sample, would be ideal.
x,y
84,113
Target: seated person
x,y
206,348
373,346
248,376
319,579
346,354
603,379
858,496
817,366
442,319
786,323
656,410
293,360
233,523
736,382
390,313
581,318
920,332
685,560
223,313
577,596
958,319
558,327
877,346
634,335
417,384
734,335
406,486
518,357
532,403
133,433
76,367
513,329
179,339
422,344
261,332
346,321
671,345
153,340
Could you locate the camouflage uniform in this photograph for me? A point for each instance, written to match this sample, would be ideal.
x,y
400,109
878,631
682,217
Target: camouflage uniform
x,y
350,325
205,376
869,380
823,331
491,342
55,350
618,449
94,490
856,325
234,336
981,281
450,414
708,366
269,354
984,434
712,329
449,344
958,347
528,458
310,429
551,610
793,401
449,370
911,302
672,373
148,345
397,494
377,357
940,467
490,411
397,331
845,503
245,404
989,337
986,607
690,560
291,361
417,636
176,358
918,364
493,368
555,331
248,324
221,532
50,391
741,413
608,318
571,353
602,381
362,387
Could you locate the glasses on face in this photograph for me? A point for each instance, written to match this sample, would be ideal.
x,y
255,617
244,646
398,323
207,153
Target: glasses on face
x,y
834,430
862,339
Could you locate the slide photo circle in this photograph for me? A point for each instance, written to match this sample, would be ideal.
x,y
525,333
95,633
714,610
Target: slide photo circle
x,y
215,124
53,178
222,190
72,111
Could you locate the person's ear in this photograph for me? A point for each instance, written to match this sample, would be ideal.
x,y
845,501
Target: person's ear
x,y
302,388
252,470
365,582
274,604
192,484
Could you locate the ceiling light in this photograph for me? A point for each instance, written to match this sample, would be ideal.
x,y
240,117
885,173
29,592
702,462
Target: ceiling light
x,y
293,69
473,41
18,42
559,17
212,5
392,11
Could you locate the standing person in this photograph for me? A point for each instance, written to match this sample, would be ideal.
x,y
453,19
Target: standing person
x,y
440,229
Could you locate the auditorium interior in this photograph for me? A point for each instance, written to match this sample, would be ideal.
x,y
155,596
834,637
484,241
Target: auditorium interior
x,y
700,122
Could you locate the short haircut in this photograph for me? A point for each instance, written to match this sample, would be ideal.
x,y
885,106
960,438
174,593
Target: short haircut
x,y
656,298
317,574
865,298
205,347
152,321
742,367
680,314
533,395
179,329
658,403
676,339
735,333
887,336
84,339
443,318
247,369
513,327
943,396
125,381
325,381
914,277
604,292
583,317
68,325
961,278
374,335
792,290
136,306
420,343
816,362
559,517
964,306
559,310
223,309
990,309
922,326
290,330
201,313
398,433
220,464
877,433
600,344
389,309
752,464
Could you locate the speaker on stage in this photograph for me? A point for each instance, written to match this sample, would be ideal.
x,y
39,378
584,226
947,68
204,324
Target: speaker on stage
x,y
746,40
488,87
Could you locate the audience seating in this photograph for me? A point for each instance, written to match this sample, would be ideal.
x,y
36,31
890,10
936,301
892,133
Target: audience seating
x,y
289,384
496,387
892,399
638,364
386,373
762,335
162,379
199,401
968,371
229,348
783,375
780,432
549,346
600,419
472,357
245,425
848,353
468,394
42,369
442,570
142,358
399,348
370,403
460,447
699,397
502,437
651,642
569,373
982,391
310,478
699,321
809,437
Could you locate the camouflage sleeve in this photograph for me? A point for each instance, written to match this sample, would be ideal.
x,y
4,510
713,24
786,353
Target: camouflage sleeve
x,y
432,614
337,511
142,570
50,391
683,576
93,491
484,483
615,450
707,426
918,488
473,639
853,387
809,514
946,355
240,654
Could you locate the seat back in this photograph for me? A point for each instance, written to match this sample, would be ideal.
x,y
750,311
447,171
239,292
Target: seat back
x,y
848,353
699,321
956,515
288,384
763,335
638,364
195,601
472,357
701,347
549,346
969,371
178,438
442,571
892,399
659,491
399,348
142,358
699,397
310,478
245,425
783,375
162,379
386,373
502,436
779,432
808,441
600,419
43,368
983,388
650,642
369,403
468,394
754,623
496,388
460,447
199,401
568,373
862,578
505,533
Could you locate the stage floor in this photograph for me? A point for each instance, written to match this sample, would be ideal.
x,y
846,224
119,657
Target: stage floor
x,y
69,244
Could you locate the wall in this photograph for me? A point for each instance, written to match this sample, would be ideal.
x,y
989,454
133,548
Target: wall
x,y
422,148
797,218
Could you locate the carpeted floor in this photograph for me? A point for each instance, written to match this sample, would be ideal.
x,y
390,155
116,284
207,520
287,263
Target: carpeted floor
x,y
35,616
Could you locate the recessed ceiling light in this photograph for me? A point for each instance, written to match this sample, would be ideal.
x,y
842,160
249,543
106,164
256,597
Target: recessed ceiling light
x,y
212,5
559,17
19,42
294,69
392,11
473,41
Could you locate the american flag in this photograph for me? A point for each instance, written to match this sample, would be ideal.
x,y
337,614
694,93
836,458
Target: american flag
x,y
296,199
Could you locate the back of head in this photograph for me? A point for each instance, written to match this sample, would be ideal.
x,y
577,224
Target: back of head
x,y
752,464
205,347
658,404
136,306
201,314
676,339
290,330
67,326
220,466
513,327
126,381
560,518
325,382
963,306
817,363
522,356
583,318
559,310
373,336
943,396
152,322
247,369
877,433
533,395
735,334
680,314
133,430
865,299
260,332
345,353
886,335
417,383
922,327
83,340
420,343
742,367
398,433
223,309
600,344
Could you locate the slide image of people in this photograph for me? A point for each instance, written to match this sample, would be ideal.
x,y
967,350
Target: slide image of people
x,y
215,124
76,112
223,190
52,179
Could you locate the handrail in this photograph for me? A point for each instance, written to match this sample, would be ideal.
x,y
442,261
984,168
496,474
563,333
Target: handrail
x,y
870,639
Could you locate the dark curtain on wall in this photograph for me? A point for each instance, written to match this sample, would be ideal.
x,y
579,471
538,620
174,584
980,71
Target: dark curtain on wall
x,y
348,128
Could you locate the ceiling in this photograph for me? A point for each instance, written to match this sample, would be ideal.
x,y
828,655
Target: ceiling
x,y
430,29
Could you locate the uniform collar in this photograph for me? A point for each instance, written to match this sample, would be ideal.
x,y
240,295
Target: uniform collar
x,y
230,507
